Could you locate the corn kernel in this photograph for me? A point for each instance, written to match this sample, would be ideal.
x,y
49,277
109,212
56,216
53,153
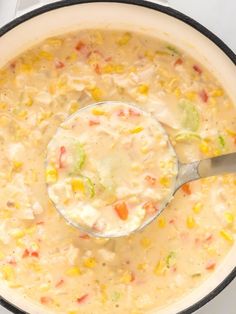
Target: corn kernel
x,y
72,312
74,107
73,56
211,251
229,217
149,54
197,207
96,93
204,147
143,89
2,256
160,268
190,222
104,297
177,93
217,93
145,149
3,106
227,236
34,247
190,95
90,262
161,221
136,130
45,55
124,40
73,271
51,175
8,272
145,242
77,185
26,68
98,112
165,181
113,68
54,42
126,277
17,165
142,266
44,287
17,233
35,267
231,132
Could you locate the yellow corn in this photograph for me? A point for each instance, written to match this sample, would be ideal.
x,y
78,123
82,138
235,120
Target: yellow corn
x,y
217,92
177,92
124,39
160,268
98,112
113,68
142,266
26,68
35,267
145,149
197,207
17,233
103,290
46,55
73,56
2,256
3,106
145,242
227,236
74,107
136,130
204,147
190,95
126,277
190,222
8,272
165,181
44,287
143,89
149,54
161,221
73,271
211,251
30,230
229,217
77,185
90,262
51,175
17,165
73,312
96,93
54,42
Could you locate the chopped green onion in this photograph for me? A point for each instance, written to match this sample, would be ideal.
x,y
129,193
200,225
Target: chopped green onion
x,y
172,49
187,137
79,157
196,275
191,118
221,140
116,296
170,259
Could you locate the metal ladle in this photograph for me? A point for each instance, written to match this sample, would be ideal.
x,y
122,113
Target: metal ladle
x,y
186,173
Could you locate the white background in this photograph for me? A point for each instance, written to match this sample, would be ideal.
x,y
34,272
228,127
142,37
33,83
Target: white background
x,y
220,17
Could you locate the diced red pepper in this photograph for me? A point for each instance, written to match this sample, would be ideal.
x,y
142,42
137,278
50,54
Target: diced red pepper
x,y
197,69
186,189
108,59
150,208
97,69
122,210
211,266
209,238
133,277
59,283
82,299
13,65
34,254
45,300
171,221
59,64
62,152
80,45
203,95
179,61
84,236
26,253
40,223
96,52
150,180
121,113
93,122
12,262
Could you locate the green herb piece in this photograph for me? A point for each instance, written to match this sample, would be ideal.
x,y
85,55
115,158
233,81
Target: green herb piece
x,y
187,137
196,275
172,49
116,296
221,141
79,157
191,118
170,259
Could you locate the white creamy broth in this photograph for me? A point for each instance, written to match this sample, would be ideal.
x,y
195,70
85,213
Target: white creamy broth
x,y
54,264
110,168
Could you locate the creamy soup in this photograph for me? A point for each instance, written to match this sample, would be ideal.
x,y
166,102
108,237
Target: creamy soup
x,y
105,168
51,262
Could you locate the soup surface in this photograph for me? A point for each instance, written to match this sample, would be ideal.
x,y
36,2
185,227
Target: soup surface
x,y
51,262
116,189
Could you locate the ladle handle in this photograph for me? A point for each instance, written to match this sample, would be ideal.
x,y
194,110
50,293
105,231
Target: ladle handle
x,y
206,168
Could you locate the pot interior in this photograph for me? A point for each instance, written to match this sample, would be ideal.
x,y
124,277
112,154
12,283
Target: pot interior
x,y
146,21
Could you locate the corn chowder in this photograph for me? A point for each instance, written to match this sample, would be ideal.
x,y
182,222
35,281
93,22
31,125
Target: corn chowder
x,y
52,263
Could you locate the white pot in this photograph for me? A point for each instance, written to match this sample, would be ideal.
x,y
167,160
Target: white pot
x,y
147,18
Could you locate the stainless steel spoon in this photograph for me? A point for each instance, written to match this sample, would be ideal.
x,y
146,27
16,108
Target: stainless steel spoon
x,y
186,173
